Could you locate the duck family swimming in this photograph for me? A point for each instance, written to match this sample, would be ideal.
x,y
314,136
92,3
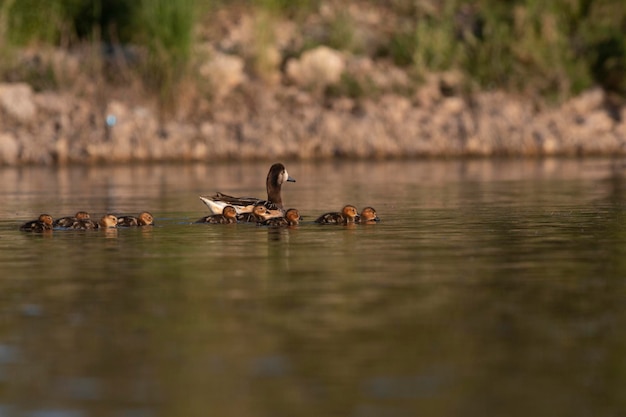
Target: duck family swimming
x,y
225,209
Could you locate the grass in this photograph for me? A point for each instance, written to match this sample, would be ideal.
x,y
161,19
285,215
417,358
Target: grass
x,y
549,50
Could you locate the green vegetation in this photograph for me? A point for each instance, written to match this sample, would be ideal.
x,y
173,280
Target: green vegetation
x,y
551,49
541,49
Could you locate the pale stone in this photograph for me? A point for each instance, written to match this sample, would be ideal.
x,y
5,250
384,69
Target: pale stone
x,y
9,149
317,67
17,100
224,72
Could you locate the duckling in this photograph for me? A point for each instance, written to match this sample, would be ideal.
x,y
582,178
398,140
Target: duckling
x,y
276,176
80,221
71,221
43,223
144,219
368,216
347,216
229,215
107,221
258,214
291,218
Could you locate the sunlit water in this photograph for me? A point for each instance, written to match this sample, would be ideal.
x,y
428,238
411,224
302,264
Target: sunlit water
x,y
489,288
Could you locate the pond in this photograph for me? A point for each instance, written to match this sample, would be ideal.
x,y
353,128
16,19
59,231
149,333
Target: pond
x,y
488,288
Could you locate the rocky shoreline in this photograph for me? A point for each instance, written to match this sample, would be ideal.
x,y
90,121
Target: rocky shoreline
x,y
253,119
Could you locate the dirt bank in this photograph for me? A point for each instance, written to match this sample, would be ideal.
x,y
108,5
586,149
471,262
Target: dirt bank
x,y
257,122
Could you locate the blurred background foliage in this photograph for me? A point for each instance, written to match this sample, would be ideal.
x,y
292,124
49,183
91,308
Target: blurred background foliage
x,y
548,49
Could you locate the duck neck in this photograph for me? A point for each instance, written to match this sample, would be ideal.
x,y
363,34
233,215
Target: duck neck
x,y
273,193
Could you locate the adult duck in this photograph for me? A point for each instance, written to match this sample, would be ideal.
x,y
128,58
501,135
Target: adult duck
x,y
347,215
276,176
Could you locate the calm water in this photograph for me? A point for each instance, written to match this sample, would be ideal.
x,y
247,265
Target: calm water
x,y
489,288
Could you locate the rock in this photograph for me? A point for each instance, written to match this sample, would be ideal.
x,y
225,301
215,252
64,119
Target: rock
x,y
316,68
224,72
9,149
17,100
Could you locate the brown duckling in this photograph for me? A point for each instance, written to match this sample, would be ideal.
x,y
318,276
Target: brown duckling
x,y
71,221
368,216
258,214
291,218
229,215
107,221
43,223
80,221
347,216
144,219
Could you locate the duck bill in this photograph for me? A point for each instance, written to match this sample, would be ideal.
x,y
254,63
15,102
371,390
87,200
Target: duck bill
x,y
289,179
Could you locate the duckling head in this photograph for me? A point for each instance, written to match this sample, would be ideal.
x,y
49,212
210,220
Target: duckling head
x,y
350,212
229,212
108,220
82,215
45,219
260,210
293,216
145,219
368,214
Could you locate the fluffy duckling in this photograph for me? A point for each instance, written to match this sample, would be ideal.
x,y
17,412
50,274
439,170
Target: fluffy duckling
x,y
72,222
43,223
368,216
291,218
144,219
276,176
107,221
229,215
347,216
258,214
80,221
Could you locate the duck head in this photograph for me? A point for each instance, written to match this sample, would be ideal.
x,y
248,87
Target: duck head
x,y
107,221
368,214
349,212
145,219
45,219
82,215
229,212
293,217
276,176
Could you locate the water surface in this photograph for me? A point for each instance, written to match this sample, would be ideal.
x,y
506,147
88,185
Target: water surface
x,y
489,288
